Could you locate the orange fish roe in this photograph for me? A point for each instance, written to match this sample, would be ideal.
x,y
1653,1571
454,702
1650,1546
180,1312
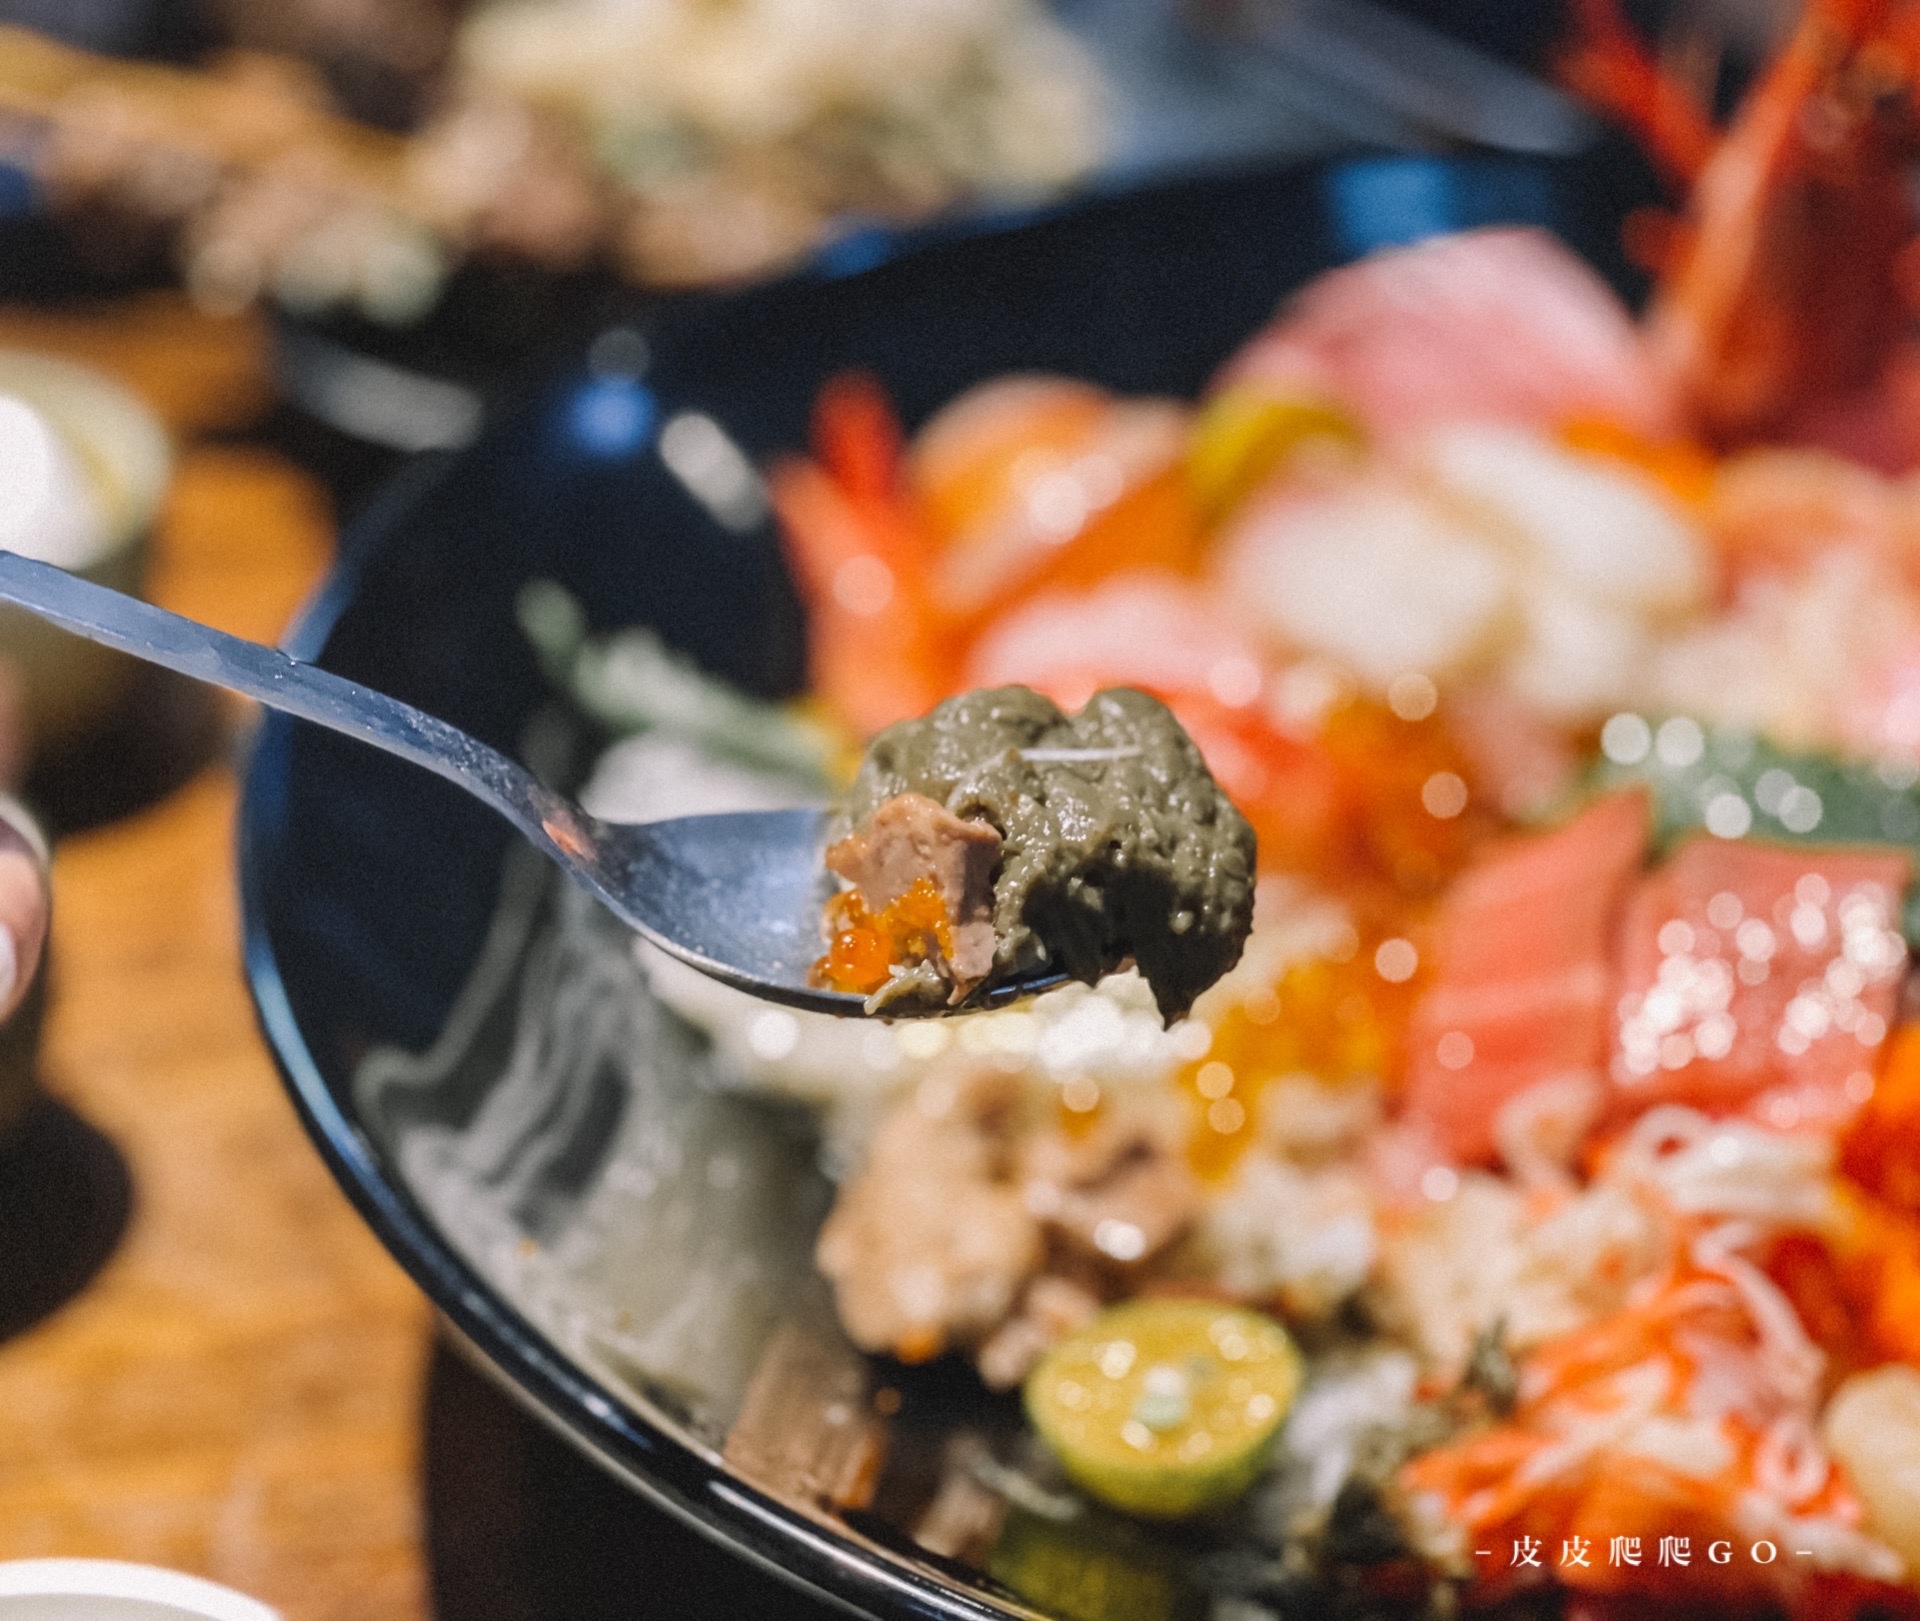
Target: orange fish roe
x,y
1684,467
1856,1287
1079,1106
1336,1017
1881,1151
1415,815
866,946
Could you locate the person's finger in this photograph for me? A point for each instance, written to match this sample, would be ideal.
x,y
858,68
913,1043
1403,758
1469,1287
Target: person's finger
x,y
23,902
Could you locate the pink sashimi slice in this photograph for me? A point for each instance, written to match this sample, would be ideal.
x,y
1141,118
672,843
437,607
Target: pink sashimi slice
x,y
1522,979
1759,977
1500,325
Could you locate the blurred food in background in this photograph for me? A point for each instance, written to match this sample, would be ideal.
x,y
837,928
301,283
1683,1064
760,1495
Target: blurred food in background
x,y
382,58
672,141
83,468
741,129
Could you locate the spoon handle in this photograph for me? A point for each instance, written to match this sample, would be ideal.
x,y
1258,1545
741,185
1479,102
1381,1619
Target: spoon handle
x,y
281,682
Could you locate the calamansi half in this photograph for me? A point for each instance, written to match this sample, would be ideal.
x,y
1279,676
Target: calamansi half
x,y
1165,1408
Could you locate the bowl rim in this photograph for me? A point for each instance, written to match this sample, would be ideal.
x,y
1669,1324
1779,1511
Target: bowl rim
x,y
829,1560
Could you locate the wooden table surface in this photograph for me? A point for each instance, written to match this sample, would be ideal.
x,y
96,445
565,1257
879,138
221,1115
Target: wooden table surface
x,y
237,1392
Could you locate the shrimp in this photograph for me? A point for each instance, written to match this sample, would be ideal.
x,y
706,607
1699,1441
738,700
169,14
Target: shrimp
x,y
1758,325
1023,486
1032,482
1606,63
857,542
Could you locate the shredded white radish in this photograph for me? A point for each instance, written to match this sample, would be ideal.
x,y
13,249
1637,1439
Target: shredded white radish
x,y
1790,1464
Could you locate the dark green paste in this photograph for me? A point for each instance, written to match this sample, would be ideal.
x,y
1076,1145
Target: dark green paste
x,y
1118,844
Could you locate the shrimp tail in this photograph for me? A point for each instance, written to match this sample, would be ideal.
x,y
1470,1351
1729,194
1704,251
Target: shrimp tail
x,y
1764,313
858,546
1608,65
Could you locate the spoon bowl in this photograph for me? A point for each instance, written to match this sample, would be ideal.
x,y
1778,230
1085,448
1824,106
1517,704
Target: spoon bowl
x,y
737,896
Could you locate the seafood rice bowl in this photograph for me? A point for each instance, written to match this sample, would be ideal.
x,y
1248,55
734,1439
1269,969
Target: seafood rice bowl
x,y
1532,1214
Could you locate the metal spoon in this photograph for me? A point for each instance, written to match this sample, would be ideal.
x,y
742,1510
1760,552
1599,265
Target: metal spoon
x,y
736,896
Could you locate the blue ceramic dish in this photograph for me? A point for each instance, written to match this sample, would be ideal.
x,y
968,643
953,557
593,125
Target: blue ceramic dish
x,y
368,886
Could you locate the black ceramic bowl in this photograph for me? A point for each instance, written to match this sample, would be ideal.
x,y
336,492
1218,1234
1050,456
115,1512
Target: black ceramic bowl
x,y
369,885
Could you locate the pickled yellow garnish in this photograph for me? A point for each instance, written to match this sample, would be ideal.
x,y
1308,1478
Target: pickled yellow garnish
x,y
1243,435
1165,1408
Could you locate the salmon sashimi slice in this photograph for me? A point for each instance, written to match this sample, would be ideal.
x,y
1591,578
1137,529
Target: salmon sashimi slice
x,y
1502,325
1758,976
1522,983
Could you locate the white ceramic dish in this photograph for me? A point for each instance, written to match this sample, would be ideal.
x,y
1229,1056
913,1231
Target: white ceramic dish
x,y
67,685
108,1590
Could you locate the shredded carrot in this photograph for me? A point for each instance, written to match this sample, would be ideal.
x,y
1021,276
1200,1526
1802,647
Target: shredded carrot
x,y
1523,1478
